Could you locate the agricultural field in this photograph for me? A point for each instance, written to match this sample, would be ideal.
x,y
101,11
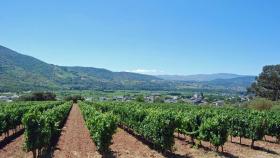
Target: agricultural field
x,y
140,79
131,129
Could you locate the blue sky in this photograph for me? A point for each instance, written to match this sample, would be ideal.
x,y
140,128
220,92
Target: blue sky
x,y
147,36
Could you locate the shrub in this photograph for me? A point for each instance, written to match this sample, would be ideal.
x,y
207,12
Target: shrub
x,y
140,98
260,104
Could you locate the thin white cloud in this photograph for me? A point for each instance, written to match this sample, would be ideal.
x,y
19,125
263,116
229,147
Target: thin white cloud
x,y
147,71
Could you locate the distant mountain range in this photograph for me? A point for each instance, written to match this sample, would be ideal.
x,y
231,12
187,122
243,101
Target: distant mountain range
x,y
20,72
202,77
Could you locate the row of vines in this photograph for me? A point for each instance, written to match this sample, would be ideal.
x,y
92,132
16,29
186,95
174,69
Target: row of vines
x,y
102,126
11,114
157,123
156,126
42,123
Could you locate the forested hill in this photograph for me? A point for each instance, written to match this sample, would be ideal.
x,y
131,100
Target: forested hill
x,y
20,72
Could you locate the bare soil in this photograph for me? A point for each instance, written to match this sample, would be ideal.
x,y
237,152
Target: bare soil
x,y
75,140
12,133
14,149
184,148
126,146
263,149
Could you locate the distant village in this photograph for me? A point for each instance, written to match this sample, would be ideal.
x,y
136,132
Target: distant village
x,y
196,98
8,97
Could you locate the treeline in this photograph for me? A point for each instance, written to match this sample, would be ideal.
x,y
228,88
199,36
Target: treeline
x,y
49,96
39,96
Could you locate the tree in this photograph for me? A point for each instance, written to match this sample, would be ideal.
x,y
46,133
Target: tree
x,y
201,95
140,98
39,96
159,100
74,98
267,84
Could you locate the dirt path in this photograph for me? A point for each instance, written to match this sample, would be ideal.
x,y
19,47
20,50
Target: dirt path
x,y
75,140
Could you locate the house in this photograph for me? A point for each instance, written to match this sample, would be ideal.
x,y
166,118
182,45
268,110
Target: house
x,y
118,98
175,97
170,100
197,99
127,98
244,98
149,99
89,99
5,98
103,99
219,103
14,97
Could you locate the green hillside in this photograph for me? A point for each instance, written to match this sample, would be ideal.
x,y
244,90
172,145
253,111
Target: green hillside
x,y
20,72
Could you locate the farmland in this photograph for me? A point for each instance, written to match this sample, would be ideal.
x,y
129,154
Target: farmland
x,y
140,79
131,129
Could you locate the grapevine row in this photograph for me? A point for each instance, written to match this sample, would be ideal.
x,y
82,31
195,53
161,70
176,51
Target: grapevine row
x,y
155,126
102,126
156,122
11,114
42,123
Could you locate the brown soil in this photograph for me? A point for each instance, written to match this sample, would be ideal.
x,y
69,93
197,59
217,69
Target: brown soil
x,y
14,149
126,146
12,133
184,148
75,140
263,149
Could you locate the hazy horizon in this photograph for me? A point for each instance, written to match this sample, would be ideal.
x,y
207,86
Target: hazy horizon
x,y
148,37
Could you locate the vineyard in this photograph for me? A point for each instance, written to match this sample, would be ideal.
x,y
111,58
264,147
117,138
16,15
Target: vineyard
x,y
11,115
159,130
41,122
158,122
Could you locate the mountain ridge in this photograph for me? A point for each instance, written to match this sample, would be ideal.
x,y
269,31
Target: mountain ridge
x,y
23,72
202,77
20,72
